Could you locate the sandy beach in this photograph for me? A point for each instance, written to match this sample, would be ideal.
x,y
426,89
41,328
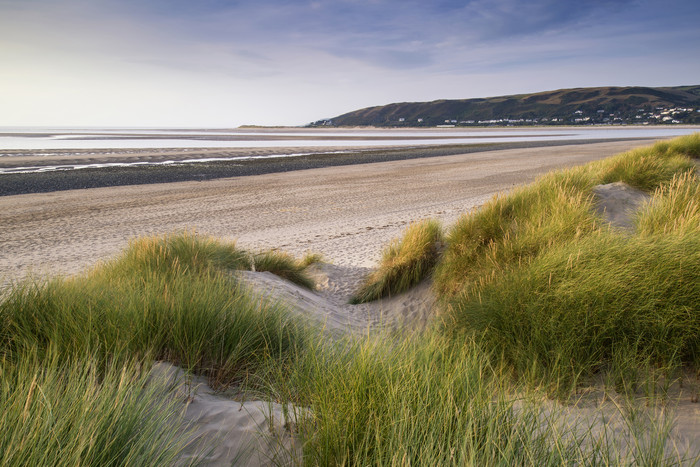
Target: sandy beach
x,y
346,213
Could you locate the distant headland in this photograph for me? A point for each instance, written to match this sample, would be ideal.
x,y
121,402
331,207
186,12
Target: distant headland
x,y
578,106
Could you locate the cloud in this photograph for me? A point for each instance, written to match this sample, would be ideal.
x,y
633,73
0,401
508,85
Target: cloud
x,y
273,59
389,34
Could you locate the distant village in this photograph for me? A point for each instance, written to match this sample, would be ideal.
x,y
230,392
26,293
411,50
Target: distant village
x,y
640,116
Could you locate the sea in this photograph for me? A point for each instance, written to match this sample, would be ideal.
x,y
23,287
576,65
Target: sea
x,y
40,141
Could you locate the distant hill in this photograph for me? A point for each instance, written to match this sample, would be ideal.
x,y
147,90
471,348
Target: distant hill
x,y
621,105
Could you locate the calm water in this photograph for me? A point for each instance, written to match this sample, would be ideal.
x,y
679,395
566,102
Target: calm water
x,y
46,139
43,141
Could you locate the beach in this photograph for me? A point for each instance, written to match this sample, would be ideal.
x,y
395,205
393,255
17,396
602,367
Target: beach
x,y
346,213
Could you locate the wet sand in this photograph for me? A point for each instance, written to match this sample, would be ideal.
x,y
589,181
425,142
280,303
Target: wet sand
x,y
169,165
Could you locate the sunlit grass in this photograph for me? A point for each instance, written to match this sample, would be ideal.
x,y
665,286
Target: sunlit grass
x,y
430,400
674,208
538,276
80,412
405,262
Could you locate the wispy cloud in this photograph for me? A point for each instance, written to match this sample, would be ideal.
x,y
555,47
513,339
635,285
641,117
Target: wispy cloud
x,y
334,54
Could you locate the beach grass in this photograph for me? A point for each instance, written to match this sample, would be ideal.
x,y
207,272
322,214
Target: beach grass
x,y
405,262
186,252
85,343
203,322
286,266
512,228
76,354
538,275
673,209
429,400
649,167
66,413
587,307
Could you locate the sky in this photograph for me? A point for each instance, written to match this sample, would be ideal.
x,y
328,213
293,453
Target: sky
x,y
225,63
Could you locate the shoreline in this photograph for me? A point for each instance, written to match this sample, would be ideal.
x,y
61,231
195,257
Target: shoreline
x,y
84,178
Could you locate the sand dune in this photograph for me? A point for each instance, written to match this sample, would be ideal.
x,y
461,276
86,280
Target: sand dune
x,y
348,214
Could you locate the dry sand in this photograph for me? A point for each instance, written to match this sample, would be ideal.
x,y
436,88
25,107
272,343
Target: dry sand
x,y
346,213
221,431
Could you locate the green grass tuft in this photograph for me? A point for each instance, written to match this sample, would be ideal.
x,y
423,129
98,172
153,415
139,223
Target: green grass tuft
x,y
58,413
512,229
404,263
284,266
184,252
674,208
189,253
537,276
311,258
649,167
427,399
202,321
577,308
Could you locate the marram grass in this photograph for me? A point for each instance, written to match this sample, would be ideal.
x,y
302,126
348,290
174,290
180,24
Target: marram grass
x,y
187,252
285,266
513,228
66,413
673,209
161,297
578,308
405,262
649,167
430,400
540,278
73,351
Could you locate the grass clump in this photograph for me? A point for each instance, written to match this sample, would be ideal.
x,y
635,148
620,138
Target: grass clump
x,y
187,252
285,266
674,208
310,259
404,263
418,402
429,400
649,167
163,298
512,229
538,276
179,253
57,413
578,308
74,352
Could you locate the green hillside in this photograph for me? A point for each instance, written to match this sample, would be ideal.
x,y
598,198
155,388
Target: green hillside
x,y
610,105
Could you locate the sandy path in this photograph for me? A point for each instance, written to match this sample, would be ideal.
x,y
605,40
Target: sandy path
x,y
345,213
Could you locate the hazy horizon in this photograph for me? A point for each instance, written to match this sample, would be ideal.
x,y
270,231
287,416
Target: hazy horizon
x,y
226,63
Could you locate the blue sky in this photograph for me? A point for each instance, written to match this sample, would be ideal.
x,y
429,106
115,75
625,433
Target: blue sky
x,y
224,63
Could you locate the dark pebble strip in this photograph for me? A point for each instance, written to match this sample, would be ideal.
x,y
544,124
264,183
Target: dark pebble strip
x,y
44,182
